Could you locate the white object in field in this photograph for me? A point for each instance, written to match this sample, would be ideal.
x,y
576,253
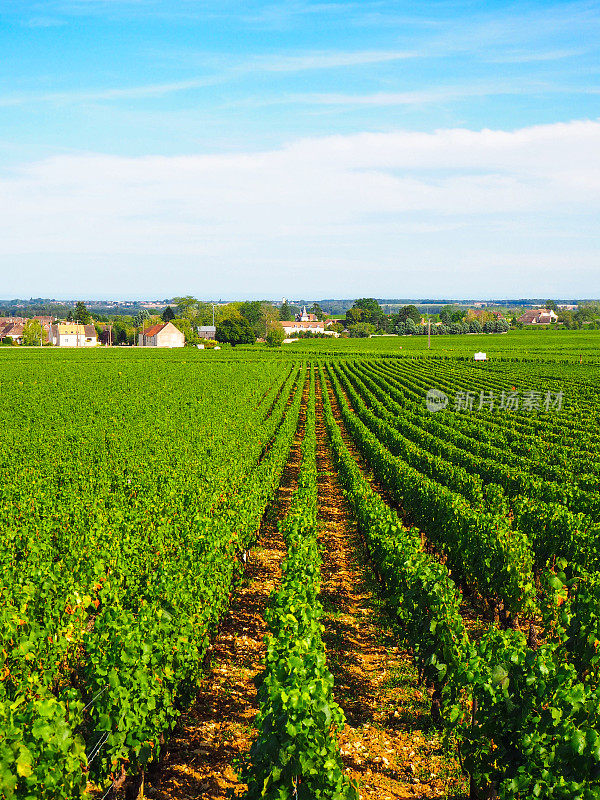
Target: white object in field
x,y
216,348
200,346
480,357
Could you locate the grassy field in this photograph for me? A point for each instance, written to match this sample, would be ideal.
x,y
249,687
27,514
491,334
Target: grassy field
x,y
525,343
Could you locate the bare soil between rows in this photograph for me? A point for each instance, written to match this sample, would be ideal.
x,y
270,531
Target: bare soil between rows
x,y
389,745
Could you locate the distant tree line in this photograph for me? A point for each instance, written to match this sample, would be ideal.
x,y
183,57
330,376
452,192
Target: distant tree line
x,y
366,318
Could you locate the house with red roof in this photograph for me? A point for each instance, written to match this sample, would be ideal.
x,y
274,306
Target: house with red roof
x,y
164,334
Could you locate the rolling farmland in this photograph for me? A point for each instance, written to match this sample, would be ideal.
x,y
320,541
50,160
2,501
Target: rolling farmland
x,y
149,500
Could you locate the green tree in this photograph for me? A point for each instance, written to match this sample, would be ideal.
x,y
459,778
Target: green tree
x,y
168,315
259,315
122,334
409,312
586,312
368,304
32,333
361,330
446,315
186,306
286,312
354,315
235,331
251,311
81,313
275,336
385,324
317,311
141,319
270,316
551,305
566,317
372,312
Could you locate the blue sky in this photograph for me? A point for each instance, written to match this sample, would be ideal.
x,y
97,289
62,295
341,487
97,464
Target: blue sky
x,y
299,148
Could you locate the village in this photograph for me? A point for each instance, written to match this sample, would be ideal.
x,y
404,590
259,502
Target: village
x,y
49,331
259,322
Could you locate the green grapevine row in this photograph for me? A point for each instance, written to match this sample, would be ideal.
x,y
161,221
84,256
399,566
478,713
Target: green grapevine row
x,y
296,754
108,610
549,513
480,545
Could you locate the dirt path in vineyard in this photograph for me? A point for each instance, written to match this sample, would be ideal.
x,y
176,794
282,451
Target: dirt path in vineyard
x,y
475,617
388,745
216,732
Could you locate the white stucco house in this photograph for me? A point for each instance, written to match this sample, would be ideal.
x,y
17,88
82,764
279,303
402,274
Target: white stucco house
x,y
73,334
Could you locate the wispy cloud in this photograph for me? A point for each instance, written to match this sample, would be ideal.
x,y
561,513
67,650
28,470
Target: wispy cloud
x,y
127,93
495,32
44,22
326,60
524,57
265,64
420,97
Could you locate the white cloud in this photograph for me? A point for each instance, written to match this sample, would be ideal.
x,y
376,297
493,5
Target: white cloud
x,y
509,202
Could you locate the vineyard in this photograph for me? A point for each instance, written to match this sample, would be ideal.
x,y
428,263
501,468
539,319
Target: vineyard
x,y
138,494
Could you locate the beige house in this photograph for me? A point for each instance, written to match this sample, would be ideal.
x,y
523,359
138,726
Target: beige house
x,y
294,326
162,335
73,334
